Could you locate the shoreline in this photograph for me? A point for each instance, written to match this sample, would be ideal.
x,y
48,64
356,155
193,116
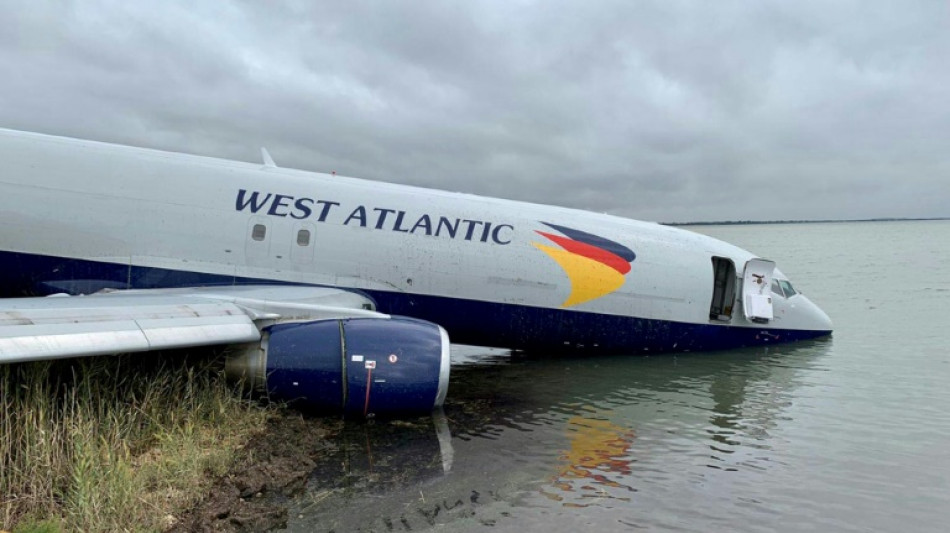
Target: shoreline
x,y
267,472
125,443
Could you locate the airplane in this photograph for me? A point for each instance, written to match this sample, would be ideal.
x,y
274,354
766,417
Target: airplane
x,y
341,293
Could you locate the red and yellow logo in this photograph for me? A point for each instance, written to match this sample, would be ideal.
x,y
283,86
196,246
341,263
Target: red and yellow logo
x,y
596,266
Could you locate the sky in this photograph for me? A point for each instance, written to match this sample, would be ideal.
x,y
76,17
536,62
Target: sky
x,y
664,110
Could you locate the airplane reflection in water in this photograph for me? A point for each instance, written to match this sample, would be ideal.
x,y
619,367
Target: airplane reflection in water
x,y
565,431
599,449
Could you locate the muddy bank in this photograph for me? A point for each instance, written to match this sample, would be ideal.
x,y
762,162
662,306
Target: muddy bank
x,y
273,468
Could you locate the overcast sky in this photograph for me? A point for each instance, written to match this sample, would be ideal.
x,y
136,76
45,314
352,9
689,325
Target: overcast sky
x,y
664,110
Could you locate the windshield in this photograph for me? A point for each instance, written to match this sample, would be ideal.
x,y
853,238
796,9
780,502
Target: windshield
x,y
783,287
776,288
787,288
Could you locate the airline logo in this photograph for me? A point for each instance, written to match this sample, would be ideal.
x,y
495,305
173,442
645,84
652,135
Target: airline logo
x,y
596,266
368,216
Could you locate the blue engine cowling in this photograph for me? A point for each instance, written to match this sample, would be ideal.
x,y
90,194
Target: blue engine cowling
x,y
361,367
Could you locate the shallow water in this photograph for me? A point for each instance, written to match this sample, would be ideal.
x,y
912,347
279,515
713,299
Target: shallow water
x,y
849,433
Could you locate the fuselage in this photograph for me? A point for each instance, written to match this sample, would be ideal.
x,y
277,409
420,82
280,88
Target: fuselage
x,y
79,215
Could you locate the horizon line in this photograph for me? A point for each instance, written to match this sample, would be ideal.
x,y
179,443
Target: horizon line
x,y
822,221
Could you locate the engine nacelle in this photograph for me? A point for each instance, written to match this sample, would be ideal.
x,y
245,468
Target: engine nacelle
x,y
362,367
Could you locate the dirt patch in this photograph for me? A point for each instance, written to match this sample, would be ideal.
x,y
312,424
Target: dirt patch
x,y
272,469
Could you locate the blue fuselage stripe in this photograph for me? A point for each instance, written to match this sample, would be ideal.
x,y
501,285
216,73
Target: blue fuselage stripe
x,y
467,321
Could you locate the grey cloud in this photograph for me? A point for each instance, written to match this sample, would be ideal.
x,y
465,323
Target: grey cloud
x,y
654,110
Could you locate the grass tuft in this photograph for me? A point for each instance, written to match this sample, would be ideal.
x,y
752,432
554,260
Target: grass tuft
x,y
115,443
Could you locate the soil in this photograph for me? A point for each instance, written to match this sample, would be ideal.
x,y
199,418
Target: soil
x,y
272,469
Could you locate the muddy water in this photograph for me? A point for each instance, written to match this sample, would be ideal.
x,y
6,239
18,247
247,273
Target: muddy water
x,y
849,433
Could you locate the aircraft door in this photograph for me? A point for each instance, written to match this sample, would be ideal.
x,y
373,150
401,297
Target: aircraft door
x,y
757,290
724,289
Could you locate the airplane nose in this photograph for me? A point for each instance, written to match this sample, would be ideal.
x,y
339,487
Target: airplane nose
x,y
819,320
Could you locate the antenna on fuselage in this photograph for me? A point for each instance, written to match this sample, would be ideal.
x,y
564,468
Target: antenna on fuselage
x,y
268,160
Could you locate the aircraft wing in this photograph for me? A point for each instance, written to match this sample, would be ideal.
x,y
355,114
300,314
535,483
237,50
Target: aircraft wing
x,y
63,326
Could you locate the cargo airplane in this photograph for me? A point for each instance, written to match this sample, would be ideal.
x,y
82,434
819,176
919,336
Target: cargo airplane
x,y
343,293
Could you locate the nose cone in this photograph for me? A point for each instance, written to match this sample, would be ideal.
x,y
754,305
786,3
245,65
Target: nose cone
x,y
812,317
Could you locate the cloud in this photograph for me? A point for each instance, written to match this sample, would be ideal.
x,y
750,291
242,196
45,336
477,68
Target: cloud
x,y
653,110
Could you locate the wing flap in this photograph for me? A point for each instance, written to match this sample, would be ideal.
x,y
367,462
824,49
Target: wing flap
x,y
51,328
154,319
171,334
68,340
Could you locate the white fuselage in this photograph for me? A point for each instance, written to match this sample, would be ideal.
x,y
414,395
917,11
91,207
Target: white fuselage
x,y
479,266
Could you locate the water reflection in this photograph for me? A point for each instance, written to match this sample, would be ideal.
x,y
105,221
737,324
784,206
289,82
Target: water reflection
x,y
381,457
598,459
572,432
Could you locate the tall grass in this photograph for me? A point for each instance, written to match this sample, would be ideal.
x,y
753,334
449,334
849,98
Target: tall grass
x,y
115,443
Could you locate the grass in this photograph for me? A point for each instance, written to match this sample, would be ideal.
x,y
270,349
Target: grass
x,y
115,443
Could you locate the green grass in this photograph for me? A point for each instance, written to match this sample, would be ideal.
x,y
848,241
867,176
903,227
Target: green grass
x,y
115,443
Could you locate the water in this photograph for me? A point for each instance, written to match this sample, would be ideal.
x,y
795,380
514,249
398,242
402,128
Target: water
x,y
850,433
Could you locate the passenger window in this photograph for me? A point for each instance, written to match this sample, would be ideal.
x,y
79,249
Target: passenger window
x,y
303,237
787,288
259,232
776,288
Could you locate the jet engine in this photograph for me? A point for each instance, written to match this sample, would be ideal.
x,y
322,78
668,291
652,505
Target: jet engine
x,y
360,367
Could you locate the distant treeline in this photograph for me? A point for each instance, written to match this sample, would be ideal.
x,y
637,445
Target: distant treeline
x,y
749,222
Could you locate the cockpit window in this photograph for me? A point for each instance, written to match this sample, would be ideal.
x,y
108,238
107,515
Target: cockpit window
x,y
776,288
787,288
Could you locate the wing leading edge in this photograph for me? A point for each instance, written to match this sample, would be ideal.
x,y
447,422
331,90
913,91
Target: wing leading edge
x,y
143,320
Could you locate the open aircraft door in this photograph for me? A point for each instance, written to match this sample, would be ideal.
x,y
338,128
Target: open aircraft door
x,y
757,290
